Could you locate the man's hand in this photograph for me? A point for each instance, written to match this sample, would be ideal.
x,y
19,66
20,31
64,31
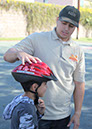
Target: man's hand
x,y
78,99
13,55
76,120
26,57
41,106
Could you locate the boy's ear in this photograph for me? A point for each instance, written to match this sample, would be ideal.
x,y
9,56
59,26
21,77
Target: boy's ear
x,y
34,86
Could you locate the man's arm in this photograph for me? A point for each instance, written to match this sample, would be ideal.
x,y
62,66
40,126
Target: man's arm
x,y
78,96
78,100
13,55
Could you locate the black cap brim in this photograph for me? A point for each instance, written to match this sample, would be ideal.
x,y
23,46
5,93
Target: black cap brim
x,y
69,20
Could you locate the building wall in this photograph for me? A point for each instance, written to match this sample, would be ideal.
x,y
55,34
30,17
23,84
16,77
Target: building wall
x,y
39,1
60,2
13,24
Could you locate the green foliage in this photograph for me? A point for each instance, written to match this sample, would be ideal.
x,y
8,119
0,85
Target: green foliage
x,y
86,18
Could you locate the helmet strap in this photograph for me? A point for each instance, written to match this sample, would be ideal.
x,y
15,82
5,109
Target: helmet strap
x,y
36,94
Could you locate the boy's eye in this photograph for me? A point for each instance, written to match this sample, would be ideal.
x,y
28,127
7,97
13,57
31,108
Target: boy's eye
x,y
45,83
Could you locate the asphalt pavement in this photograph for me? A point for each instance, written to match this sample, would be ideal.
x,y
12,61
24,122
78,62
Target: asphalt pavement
x,y
9,88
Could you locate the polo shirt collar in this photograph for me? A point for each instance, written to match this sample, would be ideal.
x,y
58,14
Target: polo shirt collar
x,y
55,37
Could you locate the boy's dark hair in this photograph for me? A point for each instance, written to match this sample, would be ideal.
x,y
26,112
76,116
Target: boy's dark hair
x,y
27,85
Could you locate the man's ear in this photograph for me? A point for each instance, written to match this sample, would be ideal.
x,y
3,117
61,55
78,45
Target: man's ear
x,y
34,86
57,19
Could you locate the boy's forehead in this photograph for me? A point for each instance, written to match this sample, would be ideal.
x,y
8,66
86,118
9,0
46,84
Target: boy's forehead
x,y
44,82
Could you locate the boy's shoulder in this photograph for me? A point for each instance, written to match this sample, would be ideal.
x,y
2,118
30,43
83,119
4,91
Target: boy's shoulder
x,y
24,104
24,107
18,104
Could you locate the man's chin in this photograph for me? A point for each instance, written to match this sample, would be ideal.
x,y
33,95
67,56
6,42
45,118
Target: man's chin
x,y
64,38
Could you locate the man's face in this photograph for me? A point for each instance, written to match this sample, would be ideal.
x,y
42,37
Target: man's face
x,y
64,29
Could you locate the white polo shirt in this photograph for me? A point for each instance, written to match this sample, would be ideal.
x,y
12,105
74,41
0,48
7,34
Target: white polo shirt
x,y
66,60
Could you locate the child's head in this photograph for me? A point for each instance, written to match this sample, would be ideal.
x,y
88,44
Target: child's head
x,y
33,77
38,89
32,86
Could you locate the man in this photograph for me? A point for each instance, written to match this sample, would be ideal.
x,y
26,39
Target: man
x,y
66,60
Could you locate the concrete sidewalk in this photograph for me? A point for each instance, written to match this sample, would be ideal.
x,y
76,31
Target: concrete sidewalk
x,y
9,88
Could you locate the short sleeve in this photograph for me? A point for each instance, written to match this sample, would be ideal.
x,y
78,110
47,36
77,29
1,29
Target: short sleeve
x,y
79,73
27,45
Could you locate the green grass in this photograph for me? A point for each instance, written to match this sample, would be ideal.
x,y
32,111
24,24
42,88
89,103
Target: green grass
x,y
11,39
84,40
18,39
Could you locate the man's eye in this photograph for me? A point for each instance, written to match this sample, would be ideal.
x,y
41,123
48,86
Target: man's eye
x,y
64,23
71,26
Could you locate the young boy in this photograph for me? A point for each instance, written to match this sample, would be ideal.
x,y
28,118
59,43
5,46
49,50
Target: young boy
x,y
33,78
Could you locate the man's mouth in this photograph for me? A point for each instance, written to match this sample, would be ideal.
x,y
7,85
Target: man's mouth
x,y
65,33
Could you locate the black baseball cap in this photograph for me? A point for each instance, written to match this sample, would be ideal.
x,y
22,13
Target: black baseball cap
x,y
70,14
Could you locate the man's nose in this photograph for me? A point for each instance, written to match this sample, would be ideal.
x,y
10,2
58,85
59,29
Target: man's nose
x,y
67,27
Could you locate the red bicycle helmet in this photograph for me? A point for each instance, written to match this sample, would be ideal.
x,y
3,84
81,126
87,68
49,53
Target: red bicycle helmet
x,y
38,72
